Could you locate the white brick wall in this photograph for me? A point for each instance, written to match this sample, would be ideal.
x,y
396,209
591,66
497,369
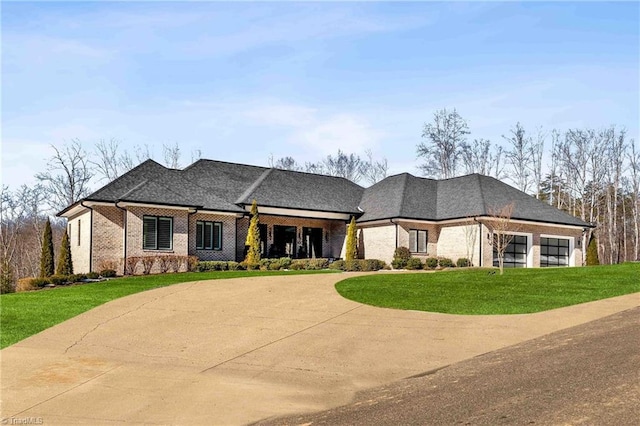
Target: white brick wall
x,y
80,249
456,242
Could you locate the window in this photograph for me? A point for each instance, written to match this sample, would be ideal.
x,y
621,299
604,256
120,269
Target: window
x,y
417,241
554,252
515,255
208,235
157,233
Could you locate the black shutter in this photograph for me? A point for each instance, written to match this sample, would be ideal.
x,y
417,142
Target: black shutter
x,y
217,236
149,233
165,233
199,235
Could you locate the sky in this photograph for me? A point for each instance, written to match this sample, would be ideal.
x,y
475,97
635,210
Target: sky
x,y
243,81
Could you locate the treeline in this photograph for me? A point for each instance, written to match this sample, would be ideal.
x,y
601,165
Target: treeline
x,y
593,174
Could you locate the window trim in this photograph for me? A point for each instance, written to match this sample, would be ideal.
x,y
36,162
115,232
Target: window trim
x,y
157,239
215,245
417,245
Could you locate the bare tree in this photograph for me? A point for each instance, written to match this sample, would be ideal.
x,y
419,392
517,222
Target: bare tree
x,y
519,157
502,229
111,160
285,163
196,154
483,158
171,155
471,238
68,174
537,149
634,183
374,170
444,140
143,153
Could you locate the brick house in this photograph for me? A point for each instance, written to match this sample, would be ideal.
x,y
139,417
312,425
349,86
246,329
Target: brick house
x,y
203,210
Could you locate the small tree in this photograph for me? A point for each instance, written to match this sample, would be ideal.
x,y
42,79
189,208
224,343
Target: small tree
x,y
253,237
592,252
65,265
352,241
46,259
500,224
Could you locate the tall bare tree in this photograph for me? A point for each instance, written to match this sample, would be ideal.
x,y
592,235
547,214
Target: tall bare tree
x,y
502,228
171,155
444,139
68,174
374,170
634,183
110,160
537,150
285,163
519,157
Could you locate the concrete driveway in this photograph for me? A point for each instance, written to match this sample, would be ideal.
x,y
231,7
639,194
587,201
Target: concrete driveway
x,y
241,350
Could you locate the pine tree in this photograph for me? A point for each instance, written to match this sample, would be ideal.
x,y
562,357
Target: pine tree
x,y
46,259
592,252
253,238
65,265
352,241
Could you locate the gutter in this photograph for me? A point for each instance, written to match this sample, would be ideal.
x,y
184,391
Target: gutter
x,y
90,234
189,214
396,224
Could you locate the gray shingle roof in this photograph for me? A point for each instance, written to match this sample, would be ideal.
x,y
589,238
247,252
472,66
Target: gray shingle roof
x,y
409,197
222,186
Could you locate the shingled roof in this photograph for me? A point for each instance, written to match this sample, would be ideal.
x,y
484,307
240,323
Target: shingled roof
x,y
222,186
405,196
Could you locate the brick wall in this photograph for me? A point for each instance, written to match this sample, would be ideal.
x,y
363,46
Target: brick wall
x,y
108,232
379,242
228,251
456,242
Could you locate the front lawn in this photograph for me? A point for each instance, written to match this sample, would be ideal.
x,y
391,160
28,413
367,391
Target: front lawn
x,y
25,314
476,291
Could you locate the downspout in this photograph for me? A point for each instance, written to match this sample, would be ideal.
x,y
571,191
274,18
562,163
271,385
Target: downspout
x,y
124,240
479,240
90,234
189,214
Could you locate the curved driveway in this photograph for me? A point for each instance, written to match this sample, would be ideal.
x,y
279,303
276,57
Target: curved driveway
x,y
240,350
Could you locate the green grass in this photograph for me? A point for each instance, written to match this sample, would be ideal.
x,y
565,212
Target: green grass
x,y
25,314
475,291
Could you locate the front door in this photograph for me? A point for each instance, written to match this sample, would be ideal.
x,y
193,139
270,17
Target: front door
x,y
284,241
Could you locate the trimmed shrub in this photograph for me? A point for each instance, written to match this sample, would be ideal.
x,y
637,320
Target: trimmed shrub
x,y
93,275
413,264
338,265
235,266
76,278
7,278
351,250
59,279
192,263
353,265
372,265
267,264
163,264
212,265
318,264
147,264
108,273
463,262
285,262
40,282
445,262
299,264
130,265
431,263
400,258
